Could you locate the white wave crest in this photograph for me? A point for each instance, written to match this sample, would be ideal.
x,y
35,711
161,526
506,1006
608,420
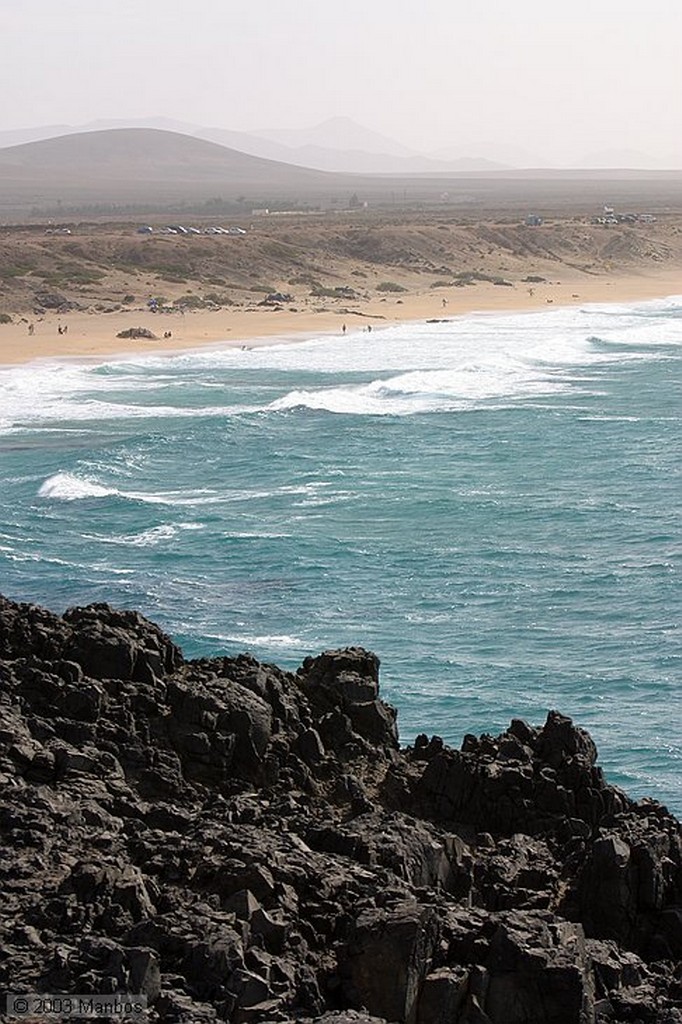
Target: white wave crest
x,y
352,401
250,641
151,537
420,391
67,487
146,538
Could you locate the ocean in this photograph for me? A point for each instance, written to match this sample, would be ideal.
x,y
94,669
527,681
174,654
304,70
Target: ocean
x,y
491,504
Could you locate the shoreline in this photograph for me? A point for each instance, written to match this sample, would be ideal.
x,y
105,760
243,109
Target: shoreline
x,y
93,336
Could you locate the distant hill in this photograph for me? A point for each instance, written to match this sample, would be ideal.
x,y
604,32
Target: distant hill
x,y
341,133
19,136
342,145
142,165
338,144
125,171
141,155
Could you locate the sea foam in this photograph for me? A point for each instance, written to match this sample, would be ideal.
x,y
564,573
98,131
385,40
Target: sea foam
x,y
67,487
522,557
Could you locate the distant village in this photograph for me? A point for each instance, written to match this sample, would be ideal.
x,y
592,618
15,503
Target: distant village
x,y
608,217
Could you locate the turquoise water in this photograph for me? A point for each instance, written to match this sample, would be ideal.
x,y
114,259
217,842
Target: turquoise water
x,y
492,505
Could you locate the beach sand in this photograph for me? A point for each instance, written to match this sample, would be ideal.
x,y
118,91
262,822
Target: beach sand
x,y
94,335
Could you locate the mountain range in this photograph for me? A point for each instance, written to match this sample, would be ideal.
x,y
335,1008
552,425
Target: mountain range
x,y
338,144
118,170
140,166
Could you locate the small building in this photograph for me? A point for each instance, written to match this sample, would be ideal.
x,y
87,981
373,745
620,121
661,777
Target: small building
x,y
533,221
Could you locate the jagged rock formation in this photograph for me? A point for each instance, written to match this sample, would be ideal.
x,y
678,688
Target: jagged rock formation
x,y
244,844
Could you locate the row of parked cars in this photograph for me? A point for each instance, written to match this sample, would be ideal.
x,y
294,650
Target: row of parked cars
x,y
179,229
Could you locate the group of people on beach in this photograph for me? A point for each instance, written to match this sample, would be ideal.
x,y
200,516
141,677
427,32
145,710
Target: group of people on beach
x,y
60,330
368,328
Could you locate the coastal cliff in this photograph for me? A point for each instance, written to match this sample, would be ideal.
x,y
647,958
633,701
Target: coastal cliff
x,y
245,844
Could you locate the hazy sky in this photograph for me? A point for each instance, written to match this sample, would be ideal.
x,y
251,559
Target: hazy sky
x,y
558,79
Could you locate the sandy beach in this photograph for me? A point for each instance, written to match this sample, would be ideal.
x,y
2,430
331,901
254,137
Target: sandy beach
x,y
71,295
94,335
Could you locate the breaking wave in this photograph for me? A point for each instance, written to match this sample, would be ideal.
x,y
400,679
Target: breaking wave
x,y
68,487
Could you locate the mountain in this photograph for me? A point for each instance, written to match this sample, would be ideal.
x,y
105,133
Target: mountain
x,y
490,155
343,161
141,155
339,133
141,165
355,161
338,145
341,144
112,171
20,136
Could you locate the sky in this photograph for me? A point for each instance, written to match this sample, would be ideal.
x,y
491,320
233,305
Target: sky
x,y
552,80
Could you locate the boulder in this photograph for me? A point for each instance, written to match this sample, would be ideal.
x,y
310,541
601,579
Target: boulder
x,y
387,959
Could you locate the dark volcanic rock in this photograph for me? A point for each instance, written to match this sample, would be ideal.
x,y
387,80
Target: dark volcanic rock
x,y
530,780
53,300
245,844
137,332
387,958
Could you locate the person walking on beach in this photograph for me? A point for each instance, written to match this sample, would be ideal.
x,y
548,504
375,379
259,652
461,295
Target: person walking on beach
x,y
343,329
31,329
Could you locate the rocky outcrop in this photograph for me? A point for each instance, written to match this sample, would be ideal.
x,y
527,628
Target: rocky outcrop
x,y
53,300
137,332
244,844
